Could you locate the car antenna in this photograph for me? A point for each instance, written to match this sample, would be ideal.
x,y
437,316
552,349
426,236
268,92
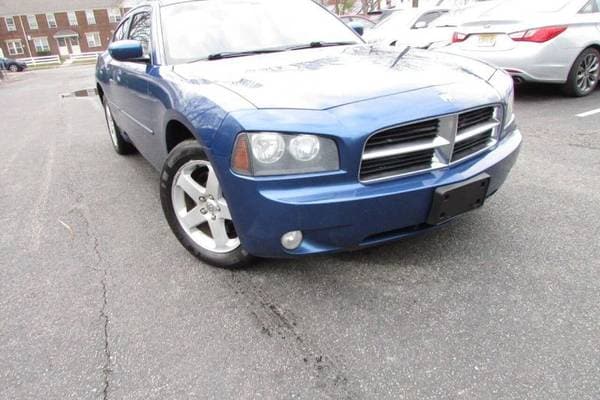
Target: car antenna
x,y
402,53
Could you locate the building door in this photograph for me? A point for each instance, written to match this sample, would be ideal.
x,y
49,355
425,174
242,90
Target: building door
x,y
74,43
63,49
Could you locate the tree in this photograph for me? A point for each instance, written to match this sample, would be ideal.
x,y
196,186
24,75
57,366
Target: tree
x,y
369,6
343,6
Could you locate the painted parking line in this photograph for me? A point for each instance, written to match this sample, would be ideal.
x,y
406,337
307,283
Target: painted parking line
x,y
588,113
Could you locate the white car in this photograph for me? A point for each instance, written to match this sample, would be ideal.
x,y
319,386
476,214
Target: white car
x,y
406,26
441,31
427,28
550,41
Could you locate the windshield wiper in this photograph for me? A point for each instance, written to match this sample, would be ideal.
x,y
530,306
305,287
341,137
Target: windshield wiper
x,y
313,45
233,54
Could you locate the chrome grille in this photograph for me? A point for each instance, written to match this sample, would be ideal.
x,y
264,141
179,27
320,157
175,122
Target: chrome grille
x,y
475,117
419,131
381,167
430,144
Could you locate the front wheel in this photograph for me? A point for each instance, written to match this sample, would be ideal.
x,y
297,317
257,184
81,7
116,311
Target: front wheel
x,y
196,210
13,68
584,74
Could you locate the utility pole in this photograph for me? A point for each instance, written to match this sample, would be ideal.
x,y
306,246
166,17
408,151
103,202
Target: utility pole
x,y
26,37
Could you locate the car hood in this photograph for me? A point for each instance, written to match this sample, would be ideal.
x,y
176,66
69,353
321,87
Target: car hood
x,y
324,78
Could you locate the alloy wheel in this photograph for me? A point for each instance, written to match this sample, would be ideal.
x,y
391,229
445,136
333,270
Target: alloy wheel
x,y
587,73
201,209
111,125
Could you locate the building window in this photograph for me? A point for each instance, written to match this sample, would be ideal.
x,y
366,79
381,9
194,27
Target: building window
x,y
15,47
93,39
51,20
10,24
41,45
32,21
89,16
72,18
114,15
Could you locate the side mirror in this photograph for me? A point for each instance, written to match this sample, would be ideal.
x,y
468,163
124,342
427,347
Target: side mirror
x,y
421,25
358,29
127,50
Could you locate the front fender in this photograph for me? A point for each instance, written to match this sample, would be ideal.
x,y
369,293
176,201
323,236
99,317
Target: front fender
x,y
200,106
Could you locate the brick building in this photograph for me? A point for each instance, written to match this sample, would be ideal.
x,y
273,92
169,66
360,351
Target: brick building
x,y
31,28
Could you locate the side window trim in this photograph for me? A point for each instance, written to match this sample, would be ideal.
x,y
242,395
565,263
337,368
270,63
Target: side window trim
x,y
132,18
121,27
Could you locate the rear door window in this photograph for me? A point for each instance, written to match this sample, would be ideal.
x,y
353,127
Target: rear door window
x,y
428,18
592,6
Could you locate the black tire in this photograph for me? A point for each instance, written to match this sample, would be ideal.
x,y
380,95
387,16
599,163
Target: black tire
x,y
184,153
575,86
119,143
13,68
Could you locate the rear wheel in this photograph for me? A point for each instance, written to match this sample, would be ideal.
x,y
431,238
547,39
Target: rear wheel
x,y
13,68
120,145
584,74
196,210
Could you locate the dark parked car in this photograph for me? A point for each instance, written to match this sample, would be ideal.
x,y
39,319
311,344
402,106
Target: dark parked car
x,y
12,65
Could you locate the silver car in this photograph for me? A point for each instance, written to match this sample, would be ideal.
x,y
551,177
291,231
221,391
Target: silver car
x,y
405,27
551,41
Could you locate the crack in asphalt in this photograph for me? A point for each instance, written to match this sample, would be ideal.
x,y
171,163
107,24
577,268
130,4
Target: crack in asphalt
x,y
99,266
106,370
274,321
584,146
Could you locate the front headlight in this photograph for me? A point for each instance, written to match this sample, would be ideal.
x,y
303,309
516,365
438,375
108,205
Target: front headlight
x,y
504,84
510,105
271,153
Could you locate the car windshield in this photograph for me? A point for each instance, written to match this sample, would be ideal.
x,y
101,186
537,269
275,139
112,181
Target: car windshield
x,y
510,7
196,30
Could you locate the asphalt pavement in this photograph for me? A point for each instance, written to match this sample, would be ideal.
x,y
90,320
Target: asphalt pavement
x,y
99,301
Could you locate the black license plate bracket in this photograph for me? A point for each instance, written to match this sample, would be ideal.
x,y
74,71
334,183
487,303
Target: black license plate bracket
x,y
452,200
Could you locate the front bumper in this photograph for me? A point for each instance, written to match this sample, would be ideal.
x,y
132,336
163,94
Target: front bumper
x,y
335,215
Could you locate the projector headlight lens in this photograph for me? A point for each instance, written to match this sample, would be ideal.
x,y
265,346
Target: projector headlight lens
x,y
304,147
267,147
272,153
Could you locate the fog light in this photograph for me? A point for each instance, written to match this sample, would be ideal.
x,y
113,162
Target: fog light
x,y
291,240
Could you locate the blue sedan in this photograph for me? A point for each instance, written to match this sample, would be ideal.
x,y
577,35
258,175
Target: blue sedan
x,y
278,139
